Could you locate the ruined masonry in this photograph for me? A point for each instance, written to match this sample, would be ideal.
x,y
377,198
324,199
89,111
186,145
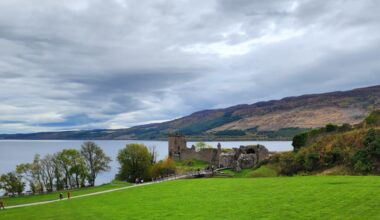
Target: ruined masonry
x,y
238,158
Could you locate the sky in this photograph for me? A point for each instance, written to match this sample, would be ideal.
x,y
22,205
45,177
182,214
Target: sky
x,y
91,64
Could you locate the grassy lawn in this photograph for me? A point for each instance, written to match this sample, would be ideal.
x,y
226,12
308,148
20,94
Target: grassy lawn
x,y
53,196
189,165
263,171
312,197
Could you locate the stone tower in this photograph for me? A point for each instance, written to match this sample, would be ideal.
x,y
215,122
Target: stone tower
x,y
177,143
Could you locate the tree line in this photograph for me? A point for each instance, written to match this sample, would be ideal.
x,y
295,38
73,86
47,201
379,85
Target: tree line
x,y
69,168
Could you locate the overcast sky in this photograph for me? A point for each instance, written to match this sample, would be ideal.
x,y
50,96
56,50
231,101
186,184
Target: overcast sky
x,y
85,64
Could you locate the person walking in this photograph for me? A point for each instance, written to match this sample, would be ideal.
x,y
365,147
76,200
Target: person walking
x,y
60,196
68,194
2,204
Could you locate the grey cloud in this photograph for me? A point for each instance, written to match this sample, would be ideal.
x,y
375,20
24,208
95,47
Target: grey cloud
x,y
111,64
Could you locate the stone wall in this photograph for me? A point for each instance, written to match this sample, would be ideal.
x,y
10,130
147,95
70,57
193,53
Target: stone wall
x,y
239,158
178,150
209,155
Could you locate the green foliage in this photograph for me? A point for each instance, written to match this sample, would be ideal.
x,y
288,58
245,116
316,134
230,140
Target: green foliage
x,y
230,133
373,118
163,168
262,171
11,183
96,160
366,160
135,162
299,141
290,163
311,161
73,165
189,165
331,127
283,132
333,157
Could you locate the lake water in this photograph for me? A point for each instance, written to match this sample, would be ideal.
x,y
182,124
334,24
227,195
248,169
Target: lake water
x,y
13,152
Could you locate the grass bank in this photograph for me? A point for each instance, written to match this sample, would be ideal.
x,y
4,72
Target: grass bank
x,y
310,197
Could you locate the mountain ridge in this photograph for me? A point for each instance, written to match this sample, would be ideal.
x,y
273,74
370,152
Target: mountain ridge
x,y
273,119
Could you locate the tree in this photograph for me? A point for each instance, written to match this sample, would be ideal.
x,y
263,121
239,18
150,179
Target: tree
x,y
59,172
96,160
331,127
73,166
299,141
153,154
12,183
24,171
37,173
135,162
48,171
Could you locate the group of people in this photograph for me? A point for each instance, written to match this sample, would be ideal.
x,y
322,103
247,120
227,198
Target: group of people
x,y
2,206
139,180
68,195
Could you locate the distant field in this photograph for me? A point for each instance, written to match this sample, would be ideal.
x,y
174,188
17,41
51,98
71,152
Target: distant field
x,y
53,196
312,197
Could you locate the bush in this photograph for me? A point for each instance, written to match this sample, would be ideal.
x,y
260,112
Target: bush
x,y
311,161
163,168
290,163
373,118
345,127
299,141
331,127
333,157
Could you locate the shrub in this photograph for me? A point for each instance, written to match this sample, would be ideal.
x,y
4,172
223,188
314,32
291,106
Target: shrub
x,y
163,168
299,140
331,127
290,163
311,161
333,157
373,118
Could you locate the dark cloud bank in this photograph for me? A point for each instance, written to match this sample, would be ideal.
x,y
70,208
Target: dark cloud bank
x,y
82,64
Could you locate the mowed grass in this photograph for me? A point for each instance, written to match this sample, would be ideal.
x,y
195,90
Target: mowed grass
x,y
312,197
55,195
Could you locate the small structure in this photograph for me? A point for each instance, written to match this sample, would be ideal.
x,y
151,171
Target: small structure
x,y
239,158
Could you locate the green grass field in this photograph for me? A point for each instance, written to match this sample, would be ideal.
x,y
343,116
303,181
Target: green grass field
x,y
183,166
262,171
53,196
312,197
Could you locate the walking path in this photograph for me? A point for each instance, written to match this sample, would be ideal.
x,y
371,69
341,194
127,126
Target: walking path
x,y
100,192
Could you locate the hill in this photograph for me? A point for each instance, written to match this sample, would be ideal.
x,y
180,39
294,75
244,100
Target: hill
x,y
335,150
276,119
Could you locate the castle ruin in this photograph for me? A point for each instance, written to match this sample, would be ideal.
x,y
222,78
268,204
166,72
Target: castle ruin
x,y
237,158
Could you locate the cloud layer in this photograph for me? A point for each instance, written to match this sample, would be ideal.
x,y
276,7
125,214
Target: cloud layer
x,y
81,64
